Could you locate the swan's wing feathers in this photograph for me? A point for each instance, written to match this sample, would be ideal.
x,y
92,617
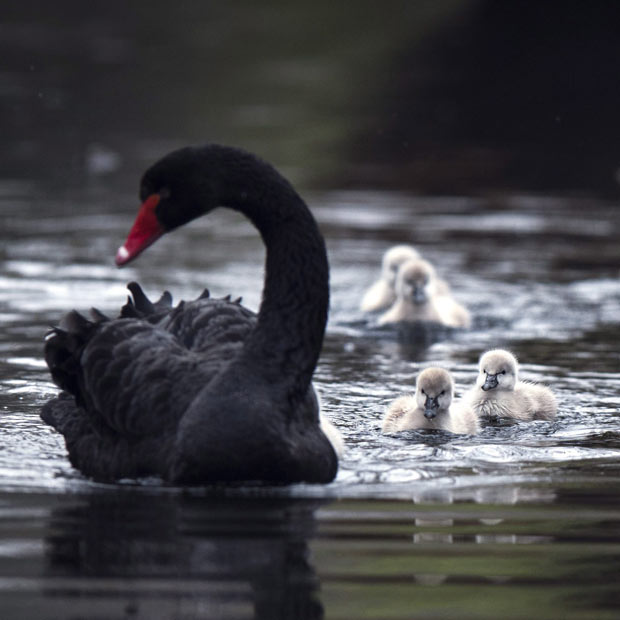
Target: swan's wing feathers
x,y
210,326
135,376
137,380
125,375
141,301
164,301
101,452
74,323
65,416
140,306
213,326
97,316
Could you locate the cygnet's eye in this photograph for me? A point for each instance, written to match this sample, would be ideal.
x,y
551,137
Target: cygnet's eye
x,y
503,372
484,370
423,392
442,393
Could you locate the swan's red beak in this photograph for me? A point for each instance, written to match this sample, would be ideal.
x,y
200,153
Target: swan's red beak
x,y
145,231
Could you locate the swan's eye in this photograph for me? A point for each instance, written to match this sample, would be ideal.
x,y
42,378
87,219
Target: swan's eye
x,y
503,372
442,393
484,370
423,392
164,193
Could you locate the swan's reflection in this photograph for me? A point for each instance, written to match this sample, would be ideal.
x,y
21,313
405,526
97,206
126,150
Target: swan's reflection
x,y
163,555
433,529
436,527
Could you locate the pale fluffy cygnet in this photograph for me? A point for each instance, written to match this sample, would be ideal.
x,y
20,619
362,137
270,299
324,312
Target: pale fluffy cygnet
x,y
430,407
381,294
498,393
418,298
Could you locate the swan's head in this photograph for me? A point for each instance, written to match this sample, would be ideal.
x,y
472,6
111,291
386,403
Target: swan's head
x,y
393,259
416,281
498,371
175,190
434,391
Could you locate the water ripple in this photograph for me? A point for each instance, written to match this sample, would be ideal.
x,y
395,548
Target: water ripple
x,y
562,328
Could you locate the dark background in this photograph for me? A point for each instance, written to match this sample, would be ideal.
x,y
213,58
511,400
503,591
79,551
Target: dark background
x,y
455,96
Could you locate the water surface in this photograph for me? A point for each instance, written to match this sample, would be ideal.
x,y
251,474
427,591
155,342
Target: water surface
x,y
412,520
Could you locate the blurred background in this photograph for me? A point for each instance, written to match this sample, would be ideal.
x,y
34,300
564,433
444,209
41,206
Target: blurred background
x,y
446,96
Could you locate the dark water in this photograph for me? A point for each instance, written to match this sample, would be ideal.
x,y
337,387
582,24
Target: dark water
x,y
519,521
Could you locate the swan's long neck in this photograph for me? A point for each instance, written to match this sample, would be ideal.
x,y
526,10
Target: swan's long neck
x,y
293,312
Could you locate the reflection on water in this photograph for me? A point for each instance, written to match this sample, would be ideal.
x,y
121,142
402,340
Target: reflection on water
x,y
511,552
143,555
514,553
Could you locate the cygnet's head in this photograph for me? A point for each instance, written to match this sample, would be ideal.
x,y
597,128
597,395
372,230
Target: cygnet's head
x,y
416,281
498,371
393,259
434,391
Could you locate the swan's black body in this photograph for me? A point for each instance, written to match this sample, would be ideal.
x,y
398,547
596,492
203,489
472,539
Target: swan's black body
x,y
206,391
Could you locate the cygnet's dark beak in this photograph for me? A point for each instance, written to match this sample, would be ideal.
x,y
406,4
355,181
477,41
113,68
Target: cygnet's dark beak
x,y
418,295
430,407
490,382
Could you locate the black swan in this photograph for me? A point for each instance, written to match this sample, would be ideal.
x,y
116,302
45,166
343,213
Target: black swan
x,y
206,391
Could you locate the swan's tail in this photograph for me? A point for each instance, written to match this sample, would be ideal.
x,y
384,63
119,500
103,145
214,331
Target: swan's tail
x,y
64,345
63,348
64,415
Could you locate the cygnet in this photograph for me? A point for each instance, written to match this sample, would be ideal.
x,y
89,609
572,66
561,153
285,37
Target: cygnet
x,y
499,393
381,294
418,298
430,407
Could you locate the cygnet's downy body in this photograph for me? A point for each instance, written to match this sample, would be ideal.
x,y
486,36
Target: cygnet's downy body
x,y
430,407
381,294
498,393
419,298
